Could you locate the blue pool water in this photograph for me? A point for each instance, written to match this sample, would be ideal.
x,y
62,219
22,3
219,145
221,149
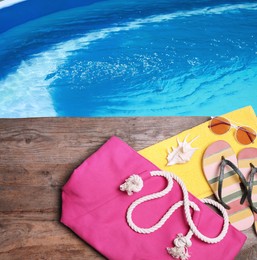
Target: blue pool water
x,y
132,58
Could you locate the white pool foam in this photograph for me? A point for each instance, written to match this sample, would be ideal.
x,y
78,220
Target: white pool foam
x,y
7,3
24,92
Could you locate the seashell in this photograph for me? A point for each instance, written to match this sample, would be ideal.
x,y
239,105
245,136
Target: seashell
x,y
182,153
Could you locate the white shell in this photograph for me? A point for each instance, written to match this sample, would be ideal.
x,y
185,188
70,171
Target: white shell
x,y
182,153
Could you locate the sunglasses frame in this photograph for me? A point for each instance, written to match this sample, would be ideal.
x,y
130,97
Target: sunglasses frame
x,y
236,127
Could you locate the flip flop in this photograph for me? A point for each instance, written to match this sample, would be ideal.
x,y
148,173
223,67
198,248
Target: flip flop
x,y
220,169
247,163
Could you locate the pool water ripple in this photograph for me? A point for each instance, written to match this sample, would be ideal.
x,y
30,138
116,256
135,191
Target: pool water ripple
x,y
200,61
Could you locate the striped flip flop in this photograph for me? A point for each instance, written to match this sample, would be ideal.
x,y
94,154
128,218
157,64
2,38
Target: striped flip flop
x,y
247,163
220,155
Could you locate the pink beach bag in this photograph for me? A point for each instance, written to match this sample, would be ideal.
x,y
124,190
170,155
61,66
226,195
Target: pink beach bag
x,y
97,207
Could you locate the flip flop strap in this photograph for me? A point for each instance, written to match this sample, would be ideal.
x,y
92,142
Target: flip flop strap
x,y
250,187
243,183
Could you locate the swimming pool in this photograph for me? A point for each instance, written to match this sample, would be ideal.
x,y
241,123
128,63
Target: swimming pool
x,y
132,58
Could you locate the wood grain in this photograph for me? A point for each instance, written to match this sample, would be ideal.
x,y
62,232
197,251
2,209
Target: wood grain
x,y
37,156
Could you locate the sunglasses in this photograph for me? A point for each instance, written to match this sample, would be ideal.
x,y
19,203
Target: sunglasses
x,y
244,134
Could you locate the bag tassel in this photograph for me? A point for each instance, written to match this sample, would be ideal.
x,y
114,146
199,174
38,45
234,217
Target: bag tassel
x,y
133,184
181,243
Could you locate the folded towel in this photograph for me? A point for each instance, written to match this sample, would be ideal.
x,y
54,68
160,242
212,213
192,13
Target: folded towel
x,y
191,172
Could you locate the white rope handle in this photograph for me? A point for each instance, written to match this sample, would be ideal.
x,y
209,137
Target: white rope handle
x,y
156,195
189,217
187,204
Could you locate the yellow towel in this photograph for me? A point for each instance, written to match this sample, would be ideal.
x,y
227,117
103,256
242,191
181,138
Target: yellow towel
x,y
191,172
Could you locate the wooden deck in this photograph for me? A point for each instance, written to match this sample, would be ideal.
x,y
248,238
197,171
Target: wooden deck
x,y
37,157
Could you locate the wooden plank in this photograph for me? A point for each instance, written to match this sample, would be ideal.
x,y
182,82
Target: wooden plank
x,y
25,239
37,156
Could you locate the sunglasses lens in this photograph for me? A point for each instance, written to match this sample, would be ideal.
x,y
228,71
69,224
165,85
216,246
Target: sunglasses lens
x,y
219,125
245,135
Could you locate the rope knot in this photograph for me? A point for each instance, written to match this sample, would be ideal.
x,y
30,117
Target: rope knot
x,y
133,184
180,250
